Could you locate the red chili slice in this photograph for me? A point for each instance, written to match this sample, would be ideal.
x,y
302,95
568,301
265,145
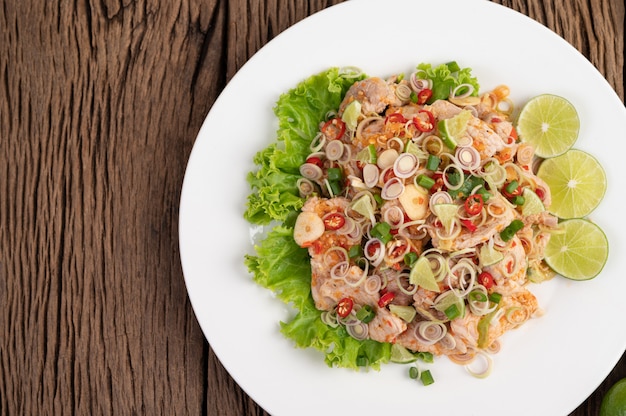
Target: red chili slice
x,y
439,183
424,125
388,174
344,307
395,118
386,299
334,221
372,248
474,204
516,192
315,161
469,225
486,279
424,95
334,129
541,193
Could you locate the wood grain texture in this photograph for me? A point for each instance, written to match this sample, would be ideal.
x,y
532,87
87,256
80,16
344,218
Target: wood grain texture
x,y
100,104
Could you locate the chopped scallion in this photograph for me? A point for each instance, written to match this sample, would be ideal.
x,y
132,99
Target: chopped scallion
x,y
382,231
410,258
355,251
335,187
477,296
365,314
425,356
495,297
510,230
334,174
512,187
425,181
427,378
484,193
433,162
452,311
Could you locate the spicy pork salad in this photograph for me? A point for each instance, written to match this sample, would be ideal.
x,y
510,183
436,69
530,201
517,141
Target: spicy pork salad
x,y
404,213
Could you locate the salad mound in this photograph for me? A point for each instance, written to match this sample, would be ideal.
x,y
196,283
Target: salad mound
x,y
404,213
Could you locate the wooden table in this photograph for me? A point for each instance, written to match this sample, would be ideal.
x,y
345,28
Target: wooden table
x,y
100,103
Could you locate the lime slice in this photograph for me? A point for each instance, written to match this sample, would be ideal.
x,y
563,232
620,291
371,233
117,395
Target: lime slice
x,y
577,183
401,354
406,313
488,255
422,275
364,206
550,123
579,252
614,401
446,213
452,129
532,203
351,114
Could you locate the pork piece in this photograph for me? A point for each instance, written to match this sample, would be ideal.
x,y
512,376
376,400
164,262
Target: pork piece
x,y
512,268
320,270
443,109
488,139
385,327
483,233
400,297
328,291
408,111
514,311
410,340
503,129
484,138
540,183
374,94
464,329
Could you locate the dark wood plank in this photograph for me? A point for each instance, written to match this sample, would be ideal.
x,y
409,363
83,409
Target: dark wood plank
x,y
100,106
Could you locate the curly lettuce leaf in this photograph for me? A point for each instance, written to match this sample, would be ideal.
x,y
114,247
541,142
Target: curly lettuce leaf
x,y
445,78
276,194
283,267
299,111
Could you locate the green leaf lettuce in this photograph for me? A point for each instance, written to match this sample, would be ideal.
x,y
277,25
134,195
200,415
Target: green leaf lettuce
x,y
280,264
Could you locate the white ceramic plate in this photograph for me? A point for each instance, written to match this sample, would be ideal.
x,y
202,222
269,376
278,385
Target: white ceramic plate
x,y
548,366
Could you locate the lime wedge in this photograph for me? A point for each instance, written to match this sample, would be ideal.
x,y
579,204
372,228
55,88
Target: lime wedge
x,y
413,148
577,183
550,123
401,354
452,129
351,115
579,252
614,401
422,275
488,255
532,203
364,206
448,299
446,213
406,313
